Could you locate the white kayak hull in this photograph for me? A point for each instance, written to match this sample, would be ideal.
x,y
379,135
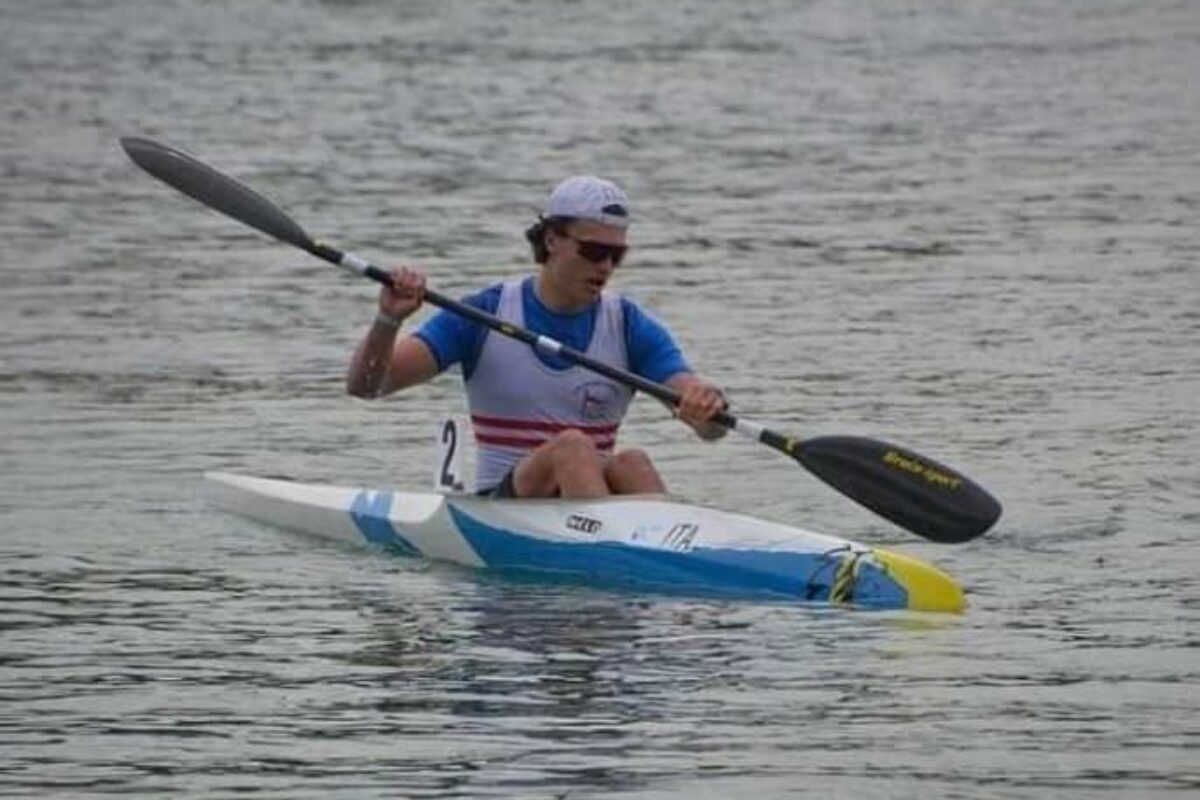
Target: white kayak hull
x,y
649,543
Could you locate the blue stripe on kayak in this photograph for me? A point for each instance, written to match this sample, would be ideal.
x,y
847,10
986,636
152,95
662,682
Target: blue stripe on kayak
x,y
370,511
724,572
875,586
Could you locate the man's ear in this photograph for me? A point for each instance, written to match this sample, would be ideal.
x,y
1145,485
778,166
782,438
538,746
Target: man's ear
x,y
552,239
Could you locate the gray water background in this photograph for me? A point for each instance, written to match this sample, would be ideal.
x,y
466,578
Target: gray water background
x,y
970,227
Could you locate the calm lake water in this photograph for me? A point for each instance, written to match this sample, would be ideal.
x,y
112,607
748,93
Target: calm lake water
x,y
968,227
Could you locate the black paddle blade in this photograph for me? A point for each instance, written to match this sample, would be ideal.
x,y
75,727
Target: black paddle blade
x,y
914,492
214,189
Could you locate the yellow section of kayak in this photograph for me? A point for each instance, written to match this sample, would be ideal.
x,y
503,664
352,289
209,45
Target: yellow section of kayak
x,y
929,589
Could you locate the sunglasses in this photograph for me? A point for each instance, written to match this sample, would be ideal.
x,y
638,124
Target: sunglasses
x,y
599,252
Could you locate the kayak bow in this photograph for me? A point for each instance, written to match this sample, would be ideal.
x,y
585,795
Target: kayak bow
x,y
643,542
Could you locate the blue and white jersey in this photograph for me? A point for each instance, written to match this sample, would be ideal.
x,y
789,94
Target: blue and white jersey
x,y
520,397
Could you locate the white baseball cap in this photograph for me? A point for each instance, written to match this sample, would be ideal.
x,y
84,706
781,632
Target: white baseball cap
x,y
589,197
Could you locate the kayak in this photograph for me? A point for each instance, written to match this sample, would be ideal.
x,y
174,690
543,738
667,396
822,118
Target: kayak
x,y
645,543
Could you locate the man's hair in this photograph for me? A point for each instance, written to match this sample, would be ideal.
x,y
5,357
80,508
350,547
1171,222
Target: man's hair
x,y
536,234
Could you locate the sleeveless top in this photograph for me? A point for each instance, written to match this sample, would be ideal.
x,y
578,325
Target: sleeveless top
x,y
517,402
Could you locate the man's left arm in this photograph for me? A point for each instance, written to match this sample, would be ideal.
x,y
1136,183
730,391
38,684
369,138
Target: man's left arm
x,y
655,355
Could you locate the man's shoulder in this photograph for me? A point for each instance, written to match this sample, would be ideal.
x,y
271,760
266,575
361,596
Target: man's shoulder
x,y
639,321
454,338
486,299
652,349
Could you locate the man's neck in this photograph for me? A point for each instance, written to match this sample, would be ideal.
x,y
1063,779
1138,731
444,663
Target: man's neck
x,y
553,298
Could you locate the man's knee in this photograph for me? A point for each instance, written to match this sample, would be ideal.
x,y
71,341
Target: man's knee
x,y
632,472
631,460
567,465
573,444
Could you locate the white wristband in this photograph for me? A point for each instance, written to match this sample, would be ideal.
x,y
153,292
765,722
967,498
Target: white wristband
x,y
388,321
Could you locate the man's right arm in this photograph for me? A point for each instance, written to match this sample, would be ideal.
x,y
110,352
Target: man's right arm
x,y
381,365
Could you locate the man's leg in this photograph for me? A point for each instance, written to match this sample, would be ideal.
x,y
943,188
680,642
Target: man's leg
x,y
566,466
632,472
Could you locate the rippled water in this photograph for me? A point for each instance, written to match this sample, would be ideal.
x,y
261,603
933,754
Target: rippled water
x,y
969,227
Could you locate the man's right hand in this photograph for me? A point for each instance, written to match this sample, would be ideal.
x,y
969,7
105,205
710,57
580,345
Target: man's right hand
x,y
405,295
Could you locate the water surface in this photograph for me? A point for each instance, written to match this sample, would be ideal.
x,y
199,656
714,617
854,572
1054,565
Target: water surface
x,y
967,227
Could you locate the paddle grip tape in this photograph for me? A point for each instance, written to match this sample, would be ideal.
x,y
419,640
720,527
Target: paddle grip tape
x,y
354,263
751,430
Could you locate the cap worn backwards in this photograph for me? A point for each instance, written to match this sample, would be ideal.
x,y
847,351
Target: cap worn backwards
x,y
589,197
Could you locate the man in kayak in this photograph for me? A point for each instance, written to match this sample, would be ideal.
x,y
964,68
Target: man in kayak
x,y
545,427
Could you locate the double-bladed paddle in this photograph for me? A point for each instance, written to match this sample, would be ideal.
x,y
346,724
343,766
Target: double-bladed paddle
x,y
912,491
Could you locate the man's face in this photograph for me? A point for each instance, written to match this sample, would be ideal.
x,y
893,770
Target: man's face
x,y
584,259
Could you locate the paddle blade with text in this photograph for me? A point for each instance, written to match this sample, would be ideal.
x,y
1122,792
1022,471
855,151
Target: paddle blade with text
x,y
913,491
